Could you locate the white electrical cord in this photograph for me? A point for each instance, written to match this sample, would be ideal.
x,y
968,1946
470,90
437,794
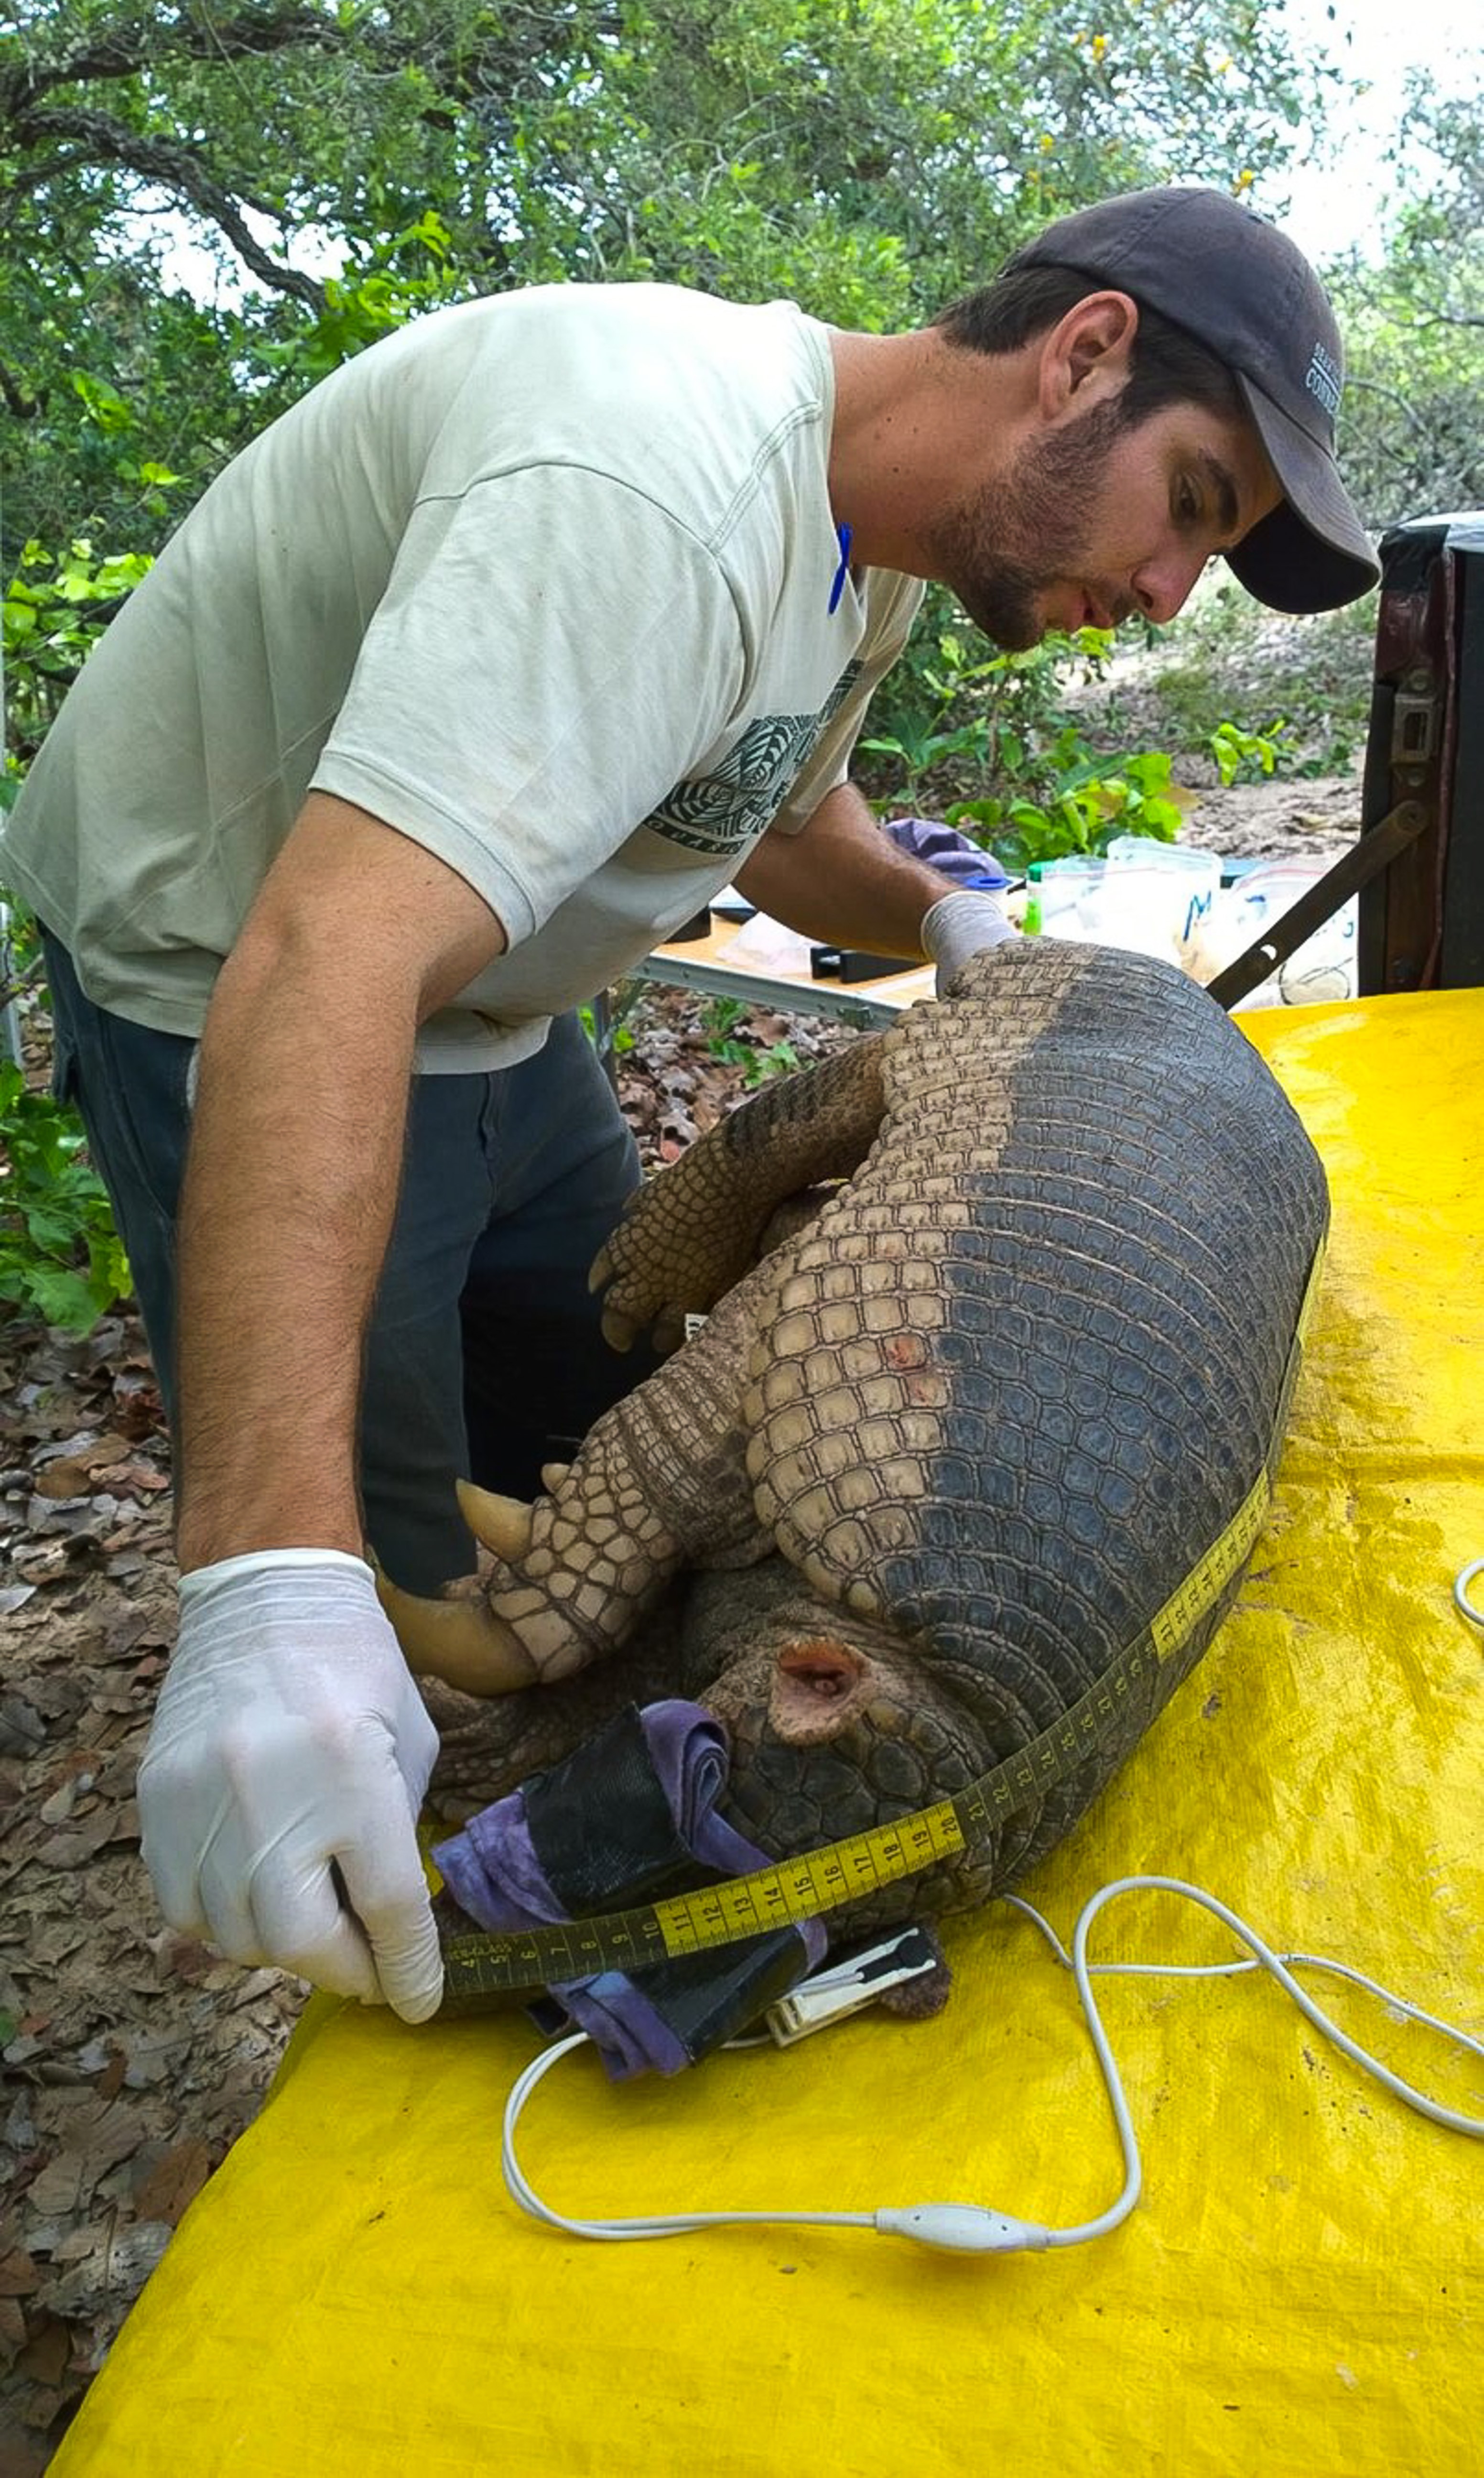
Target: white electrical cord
x,y
970,2228
1461,1583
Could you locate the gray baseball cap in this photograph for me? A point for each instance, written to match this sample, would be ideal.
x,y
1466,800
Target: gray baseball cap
x,y
1244,291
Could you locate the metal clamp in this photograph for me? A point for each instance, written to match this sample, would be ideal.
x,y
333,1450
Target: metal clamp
x,y
844,1988
1376,851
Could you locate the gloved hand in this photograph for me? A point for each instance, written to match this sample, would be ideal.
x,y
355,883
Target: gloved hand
x,y
963,924
288,1737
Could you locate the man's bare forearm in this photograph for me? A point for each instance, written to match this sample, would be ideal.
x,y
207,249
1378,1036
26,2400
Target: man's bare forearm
x,y
295,1160
840,879
290,1193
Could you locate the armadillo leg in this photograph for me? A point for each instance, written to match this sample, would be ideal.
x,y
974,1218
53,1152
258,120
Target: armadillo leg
x,y
658,1482
488,1744
692,1233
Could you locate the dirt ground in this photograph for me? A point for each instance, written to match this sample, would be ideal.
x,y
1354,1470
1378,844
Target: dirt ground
x,y
134,2057
1316,818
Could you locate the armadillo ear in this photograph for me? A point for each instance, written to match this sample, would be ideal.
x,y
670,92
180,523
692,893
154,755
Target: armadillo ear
x,y
816,1686
502,1524
459,1640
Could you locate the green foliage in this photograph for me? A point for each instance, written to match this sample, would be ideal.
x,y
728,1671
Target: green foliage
x,y
55,608
1310,679
1245,754
1411,442
60,1255
946,701
619,1034
721,1019
396,280
1090,799
1005,716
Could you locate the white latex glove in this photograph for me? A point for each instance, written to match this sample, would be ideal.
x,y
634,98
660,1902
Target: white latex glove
x,y
289,1737
963,924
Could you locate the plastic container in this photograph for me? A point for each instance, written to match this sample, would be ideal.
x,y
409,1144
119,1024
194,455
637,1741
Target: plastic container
x,y
1159,898
1324,966
1063,898
1148,896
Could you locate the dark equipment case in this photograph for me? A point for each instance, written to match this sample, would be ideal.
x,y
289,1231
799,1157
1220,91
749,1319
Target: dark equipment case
x,y
1421,920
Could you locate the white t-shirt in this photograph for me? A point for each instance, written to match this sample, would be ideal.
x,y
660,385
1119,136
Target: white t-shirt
x,y
544,583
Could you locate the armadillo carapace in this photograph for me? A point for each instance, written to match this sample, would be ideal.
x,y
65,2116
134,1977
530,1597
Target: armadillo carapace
x,y
974,1427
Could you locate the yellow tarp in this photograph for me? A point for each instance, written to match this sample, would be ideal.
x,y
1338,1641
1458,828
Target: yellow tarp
x,y
1298,2291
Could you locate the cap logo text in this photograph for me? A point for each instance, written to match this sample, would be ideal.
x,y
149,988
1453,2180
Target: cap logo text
x,y
1325,379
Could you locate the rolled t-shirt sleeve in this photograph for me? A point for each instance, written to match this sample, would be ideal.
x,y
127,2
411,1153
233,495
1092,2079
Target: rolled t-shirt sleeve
x,y
552,653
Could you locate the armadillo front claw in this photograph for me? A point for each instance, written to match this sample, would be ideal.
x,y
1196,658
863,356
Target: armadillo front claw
x,y
501,1524
460,1640
667,1327
619,1332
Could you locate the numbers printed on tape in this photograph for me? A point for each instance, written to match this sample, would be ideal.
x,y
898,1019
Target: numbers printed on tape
x,y
821,1880
1203,1587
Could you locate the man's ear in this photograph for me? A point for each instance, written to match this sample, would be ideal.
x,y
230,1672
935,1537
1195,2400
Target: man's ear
x,y
1087,356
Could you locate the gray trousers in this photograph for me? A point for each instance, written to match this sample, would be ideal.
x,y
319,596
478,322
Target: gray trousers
x,y
484,1357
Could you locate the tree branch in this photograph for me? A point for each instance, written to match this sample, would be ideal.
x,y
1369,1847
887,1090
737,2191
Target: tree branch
x,y
151,42
1441,319
98,138
1392,396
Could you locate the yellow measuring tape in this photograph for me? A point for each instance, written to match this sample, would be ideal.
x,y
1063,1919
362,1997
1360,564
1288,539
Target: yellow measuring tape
x,y
479,1964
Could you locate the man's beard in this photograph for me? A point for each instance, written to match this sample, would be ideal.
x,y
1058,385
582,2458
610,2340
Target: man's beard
x,y
999,550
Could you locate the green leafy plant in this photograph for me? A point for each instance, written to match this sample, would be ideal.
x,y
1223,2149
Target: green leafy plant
x,y
55,608
398,278
997,715
1245,753
60,1255
618,1036
1006,717
1092,799
720,1022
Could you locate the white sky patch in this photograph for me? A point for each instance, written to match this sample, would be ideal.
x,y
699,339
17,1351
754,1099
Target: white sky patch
x,y
196,257
1342,198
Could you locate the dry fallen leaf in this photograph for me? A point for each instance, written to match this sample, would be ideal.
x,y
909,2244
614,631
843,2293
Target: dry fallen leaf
x,y
58,2189
46,2355
174,2182
13,2329
115,2272
63,1479
18,2274
70,1850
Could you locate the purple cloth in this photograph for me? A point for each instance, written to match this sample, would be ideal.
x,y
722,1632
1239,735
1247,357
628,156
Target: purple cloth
x,y
493,1872
945,849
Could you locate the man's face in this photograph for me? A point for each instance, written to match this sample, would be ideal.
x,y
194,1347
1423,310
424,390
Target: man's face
x,y
1095,520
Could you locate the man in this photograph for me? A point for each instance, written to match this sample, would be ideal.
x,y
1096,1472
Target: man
x,y
478,672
